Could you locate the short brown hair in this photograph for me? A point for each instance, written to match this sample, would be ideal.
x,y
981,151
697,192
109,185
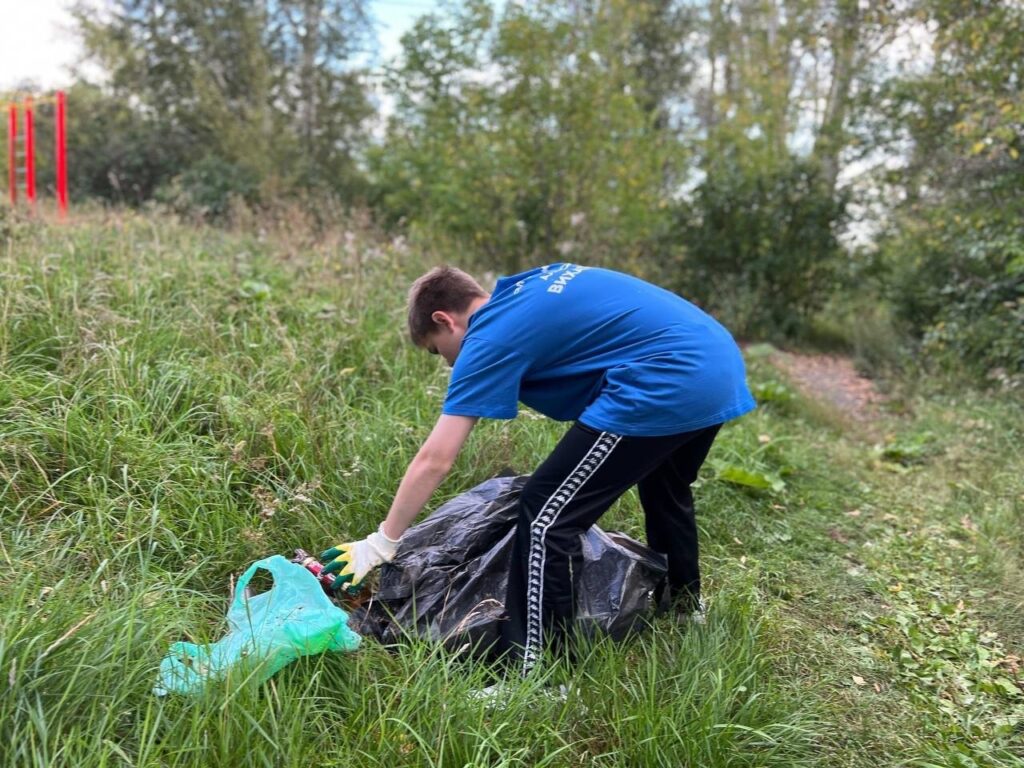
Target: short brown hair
x,y
444,289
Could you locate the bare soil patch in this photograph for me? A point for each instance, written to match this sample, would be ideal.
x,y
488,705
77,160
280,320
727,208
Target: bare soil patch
x,y
834,381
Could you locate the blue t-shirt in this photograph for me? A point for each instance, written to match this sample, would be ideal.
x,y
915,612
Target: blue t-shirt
x,y
610,350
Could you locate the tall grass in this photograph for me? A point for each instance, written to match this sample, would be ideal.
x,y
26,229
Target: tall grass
x,y
176,403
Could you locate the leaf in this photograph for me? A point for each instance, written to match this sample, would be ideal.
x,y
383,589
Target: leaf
x,y
254,289
859,681
909,450
745,477
772,392
1007,685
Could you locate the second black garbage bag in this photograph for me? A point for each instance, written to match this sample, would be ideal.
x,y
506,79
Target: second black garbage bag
x,y
447,583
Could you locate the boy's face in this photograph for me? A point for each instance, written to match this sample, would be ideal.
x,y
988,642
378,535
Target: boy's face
x,y
446,341
449,330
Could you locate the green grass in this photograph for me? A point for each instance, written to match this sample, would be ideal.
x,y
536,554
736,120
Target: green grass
x,y
176,403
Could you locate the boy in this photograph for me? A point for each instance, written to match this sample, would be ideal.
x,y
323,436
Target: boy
x,y
646,377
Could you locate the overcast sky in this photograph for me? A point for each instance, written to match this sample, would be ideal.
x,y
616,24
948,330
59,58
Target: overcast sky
x,y
36,42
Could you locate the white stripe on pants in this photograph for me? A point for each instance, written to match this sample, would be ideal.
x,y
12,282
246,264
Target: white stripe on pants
x,y
587,467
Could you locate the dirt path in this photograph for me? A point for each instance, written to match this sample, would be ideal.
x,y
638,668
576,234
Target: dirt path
x,y
833,381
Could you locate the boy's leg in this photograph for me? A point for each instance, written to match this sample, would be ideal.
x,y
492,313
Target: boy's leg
x,y
671,524
583,476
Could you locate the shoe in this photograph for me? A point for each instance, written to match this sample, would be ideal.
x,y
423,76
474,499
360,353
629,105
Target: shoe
x,y
493,696
500,695
698,616
681,608
679,604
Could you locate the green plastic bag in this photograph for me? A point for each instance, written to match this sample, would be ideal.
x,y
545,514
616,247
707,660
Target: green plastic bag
x,y
268,631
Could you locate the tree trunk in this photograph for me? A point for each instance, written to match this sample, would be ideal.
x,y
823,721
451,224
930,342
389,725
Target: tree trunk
x,y
311,10
829,141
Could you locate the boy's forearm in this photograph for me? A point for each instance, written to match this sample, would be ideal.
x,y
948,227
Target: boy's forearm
x,y
419,483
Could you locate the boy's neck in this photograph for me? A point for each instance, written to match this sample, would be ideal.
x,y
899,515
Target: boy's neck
x,y
475,305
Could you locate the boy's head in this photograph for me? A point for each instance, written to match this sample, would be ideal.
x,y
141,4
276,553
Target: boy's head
x,y
436,299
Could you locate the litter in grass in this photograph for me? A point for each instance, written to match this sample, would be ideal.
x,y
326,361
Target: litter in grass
x,y
265,632
447,583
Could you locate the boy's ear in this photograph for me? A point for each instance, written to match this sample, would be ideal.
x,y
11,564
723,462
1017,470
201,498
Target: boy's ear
x,y
443,319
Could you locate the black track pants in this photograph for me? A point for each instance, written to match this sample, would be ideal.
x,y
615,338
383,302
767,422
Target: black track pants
x,y
583,476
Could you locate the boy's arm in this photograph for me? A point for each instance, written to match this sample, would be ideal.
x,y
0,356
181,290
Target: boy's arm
x,y
427,470
351,562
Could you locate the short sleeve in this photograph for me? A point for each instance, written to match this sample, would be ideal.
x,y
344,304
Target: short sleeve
x,y
485,381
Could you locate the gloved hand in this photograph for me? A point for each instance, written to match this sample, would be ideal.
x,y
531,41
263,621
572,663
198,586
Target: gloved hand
x,y
351,562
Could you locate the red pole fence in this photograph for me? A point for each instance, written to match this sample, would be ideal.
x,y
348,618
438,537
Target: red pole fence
x,y
12,152
22,148
30,154
62,157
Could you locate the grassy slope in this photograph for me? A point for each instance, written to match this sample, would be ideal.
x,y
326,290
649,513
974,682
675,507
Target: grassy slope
x,y
175,404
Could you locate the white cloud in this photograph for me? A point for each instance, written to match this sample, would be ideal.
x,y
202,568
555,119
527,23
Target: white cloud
x,y
36,43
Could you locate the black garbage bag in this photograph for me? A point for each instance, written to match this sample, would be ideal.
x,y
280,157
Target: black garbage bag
x,y
447,582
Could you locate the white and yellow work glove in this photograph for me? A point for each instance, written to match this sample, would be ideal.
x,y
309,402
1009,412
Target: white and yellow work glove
x,y
351,562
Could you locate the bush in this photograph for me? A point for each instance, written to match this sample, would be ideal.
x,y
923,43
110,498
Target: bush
x,y
958,282
208,187
760,245
116,152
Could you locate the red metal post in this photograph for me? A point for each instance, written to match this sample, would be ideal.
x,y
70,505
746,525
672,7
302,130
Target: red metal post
x,y
62,160
30,154
12,152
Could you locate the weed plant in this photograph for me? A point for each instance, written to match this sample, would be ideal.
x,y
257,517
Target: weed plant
x,y
178,402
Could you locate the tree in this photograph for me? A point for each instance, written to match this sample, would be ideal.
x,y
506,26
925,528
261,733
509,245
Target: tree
x,y
266,87
955,246
524,137
761,245
788,73
312,44
767,115
661,57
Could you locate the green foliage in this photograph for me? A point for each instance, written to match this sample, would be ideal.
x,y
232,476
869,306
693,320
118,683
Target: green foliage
x,y
698,143
176,402
521,138
265,94
771,391
542,131
909,449
958,282
955,249
13,226
959,675
664,67
759,481
208,188
760,244
116,152
859,323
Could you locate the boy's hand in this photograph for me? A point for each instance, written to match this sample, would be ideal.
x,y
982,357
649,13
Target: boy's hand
x,y
351,562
